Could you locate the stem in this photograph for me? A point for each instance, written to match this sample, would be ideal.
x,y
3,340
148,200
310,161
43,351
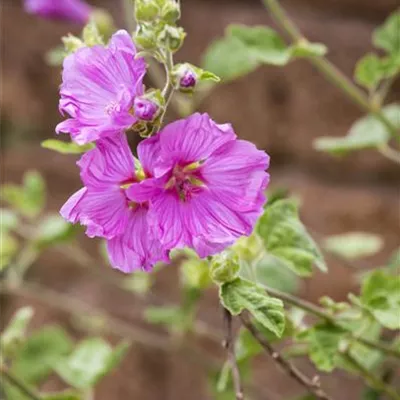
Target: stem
x,y
312,385
373,380
329,70
229,345
321,313
389,153
19,384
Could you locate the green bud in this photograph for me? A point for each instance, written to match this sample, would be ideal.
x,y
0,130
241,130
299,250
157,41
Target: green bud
x,y
171,12
146,10
72,43
171,37
224,267
145,37
248,248
104,22
91,35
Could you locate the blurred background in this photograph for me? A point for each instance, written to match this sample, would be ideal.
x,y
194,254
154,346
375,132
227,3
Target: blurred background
x,y
281,110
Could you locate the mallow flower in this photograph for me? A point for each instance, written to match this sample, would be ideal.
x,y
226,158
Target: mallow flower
x,y
99,86
104,208
205,187
69,10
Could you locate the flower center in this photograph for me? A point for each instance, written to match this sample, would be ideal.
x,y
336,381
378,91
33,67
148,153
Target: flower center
x,y
186,181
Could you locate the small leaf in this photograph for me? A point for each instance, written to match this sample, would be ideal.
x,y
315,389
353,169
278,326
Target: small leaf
x,y
387,36
323,341
36,358
367,132
369,71
307,49
228,59
53,229
380,295
89,362
15,331
262,43
66,147
8,220
286,238
8,249
241,294
353,245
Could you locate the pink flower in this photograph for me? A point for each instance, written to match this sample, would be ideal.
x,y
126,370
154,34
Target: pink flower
x,y
207,187
103,207
99,87
69,10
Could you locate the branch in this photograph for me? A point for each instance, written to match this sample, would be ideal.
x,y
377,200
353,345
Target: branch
x,y
321,313
19,384
312,385
229,345
330,71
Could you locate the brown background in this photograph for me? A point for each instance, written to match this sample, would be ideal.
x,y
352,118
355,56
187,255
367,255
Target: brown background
x,y
281,110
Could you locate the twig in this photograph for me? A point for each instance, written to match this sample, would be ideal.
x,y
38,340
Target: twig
x,y
373,380
330,71
321,313
18,383
312,385
229,345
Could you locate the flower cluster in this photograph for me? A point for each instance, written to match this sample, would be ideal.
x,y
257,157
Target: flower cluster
x,y
194,183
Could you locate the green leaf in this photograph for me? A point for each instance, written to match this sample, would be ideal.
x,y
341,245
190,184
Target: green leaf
x,y
169,316
353,245
8,249
394,261
195,272
53,229
387,36
367,132
323,341
228,59
246,346
66,395
262,43
241,294
89,362
66,147
380,295
8,220
307,49
224,267
369,71
36,358
286,238
14,334
28,199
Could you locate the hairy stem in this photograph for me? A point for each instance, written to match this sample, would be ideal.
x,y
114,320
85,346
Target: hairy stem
x,y
18,383
312,385
322,314
229,345
330,71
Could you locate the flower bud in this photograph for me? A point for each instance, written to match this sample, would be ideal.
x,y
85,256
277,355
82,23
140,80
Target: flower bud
x,y
145,109
72,43
145,37
170,12
146,10
104,22
185,77
171,37
224,267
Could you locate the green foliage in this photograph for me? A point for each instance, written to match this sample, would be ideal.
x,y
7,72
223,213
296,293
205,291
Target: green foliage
x,y
286,238
89,362
243,49
387,36
28,199
306,49
241,294
367,132
35,359
224,267
8,249
380,296
369,71
172,316
53,229
66,395
195,272
138,282
353,245
14,333
323,345
66,147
